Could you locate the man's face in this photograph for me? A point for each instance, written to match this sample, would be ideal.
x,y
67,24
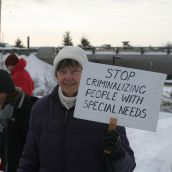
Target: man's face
x,y
69,80
3,97
10,67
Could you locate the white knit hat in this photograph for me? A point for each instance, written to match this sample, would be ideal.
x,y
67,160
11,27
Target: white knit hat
x,y
70,52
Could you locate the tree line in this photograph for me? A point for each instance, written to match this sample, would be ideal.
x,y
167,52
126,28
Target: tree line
x,y
67,40
84,42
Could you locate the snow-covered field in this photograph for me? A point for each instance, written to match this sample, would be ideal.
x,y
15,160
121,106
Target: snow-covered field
x,y
152,149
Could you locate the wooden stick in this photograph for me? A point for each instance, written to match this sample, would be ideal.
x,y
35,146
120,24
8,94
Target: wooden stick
x,y
111,126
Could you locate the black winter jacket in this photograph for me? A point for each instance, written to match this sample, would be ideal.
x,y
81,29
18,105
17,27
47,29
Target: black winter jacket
x,y
14,134
58,142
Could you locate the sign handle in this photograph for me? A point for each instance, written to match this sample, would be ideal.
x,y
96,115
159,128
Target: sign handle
x,y
112,126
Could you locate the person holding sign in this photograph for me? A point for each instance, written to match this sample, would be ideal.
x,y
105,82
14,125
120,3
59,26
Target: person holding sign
x,y
59,142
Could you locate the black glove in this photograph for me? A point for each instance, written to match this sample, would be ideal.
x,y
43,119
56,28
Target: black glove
x,y
112,143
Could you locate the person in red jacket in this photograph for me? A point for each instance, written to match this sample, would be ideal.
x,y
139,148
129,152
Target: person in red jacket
x,y
20,76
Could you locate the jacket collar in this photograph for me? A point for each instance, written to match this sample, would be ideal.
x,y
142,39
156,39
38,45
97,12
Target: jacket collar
x,y
55,97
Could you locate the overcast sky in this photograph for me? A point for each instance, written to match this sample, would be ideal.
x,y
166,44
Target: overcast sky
x,y
143,23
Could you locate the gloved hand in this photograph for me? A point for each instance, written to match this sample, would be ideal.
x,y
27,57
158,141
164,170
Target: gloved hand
x,y
112,142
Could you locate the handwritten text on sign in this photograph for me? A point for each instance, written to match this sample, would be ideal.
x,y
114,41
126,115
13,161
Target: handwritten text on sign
x,y
132,96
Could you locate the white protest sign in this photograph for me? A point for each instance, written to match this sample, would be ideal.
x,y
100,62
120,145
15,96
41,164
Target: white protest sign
x,y
130,95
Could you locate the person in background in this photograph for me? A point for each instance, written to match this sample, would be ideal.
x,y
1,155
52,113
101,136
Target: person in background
x,y
15,109
20,76
58,142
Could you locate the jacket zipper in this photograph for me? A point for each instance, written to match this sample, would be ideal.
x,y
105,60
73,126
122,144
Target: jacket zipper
x,y
66,120
66,117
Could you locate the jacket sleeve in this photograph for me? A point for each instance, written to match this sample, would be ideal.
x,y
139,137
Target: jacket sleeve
x,y
124,160
29,161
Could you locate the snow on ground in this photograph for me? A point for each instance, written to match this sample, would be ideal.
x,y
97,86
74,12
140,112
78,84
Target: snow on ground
x,y
152,150
42,74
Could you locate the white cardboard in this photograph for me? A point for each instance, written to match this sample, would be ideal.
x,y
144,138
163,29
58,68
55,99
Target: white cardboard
x,y
130,95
